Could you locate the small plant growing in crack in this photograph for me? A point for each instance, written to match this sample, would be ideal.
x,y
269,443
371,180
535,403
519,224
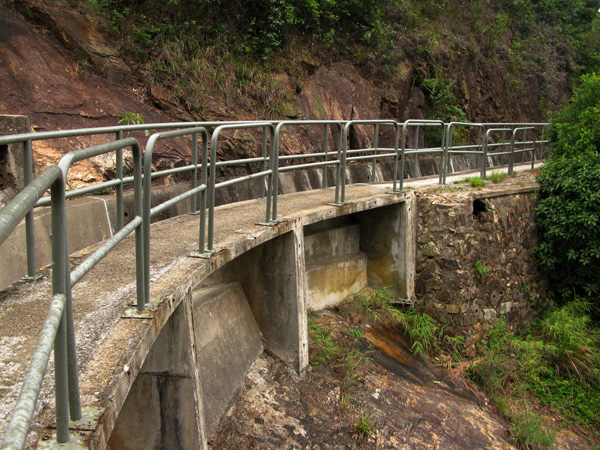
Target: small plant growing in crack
x,y
481,270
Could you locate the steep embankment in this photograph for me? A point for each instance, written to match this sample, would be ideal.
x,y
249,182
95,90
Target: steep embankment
x,y
70,64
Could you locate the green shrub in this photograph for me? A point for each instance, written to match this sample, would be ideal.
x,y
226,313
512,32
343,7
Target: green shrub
x,y
568,215
568,212
576,128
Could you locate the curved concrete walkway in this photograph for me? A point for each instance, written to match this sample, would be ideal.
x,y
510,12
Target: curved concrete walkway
x,y
112,338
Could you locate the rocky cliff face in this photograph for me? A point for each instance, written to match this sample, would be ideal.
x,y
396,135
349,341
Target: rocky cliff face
x,y
61,72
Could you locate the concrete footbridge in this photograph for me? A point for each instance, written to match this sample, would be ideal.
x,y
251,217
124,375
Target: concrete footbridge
x,y
153,324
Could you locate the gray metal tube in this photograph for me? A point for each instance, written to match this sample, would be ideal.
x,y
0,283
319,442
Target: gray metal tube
x,y
203,181
89,263
60,269
264,161
179,198
193,199
212,178
29,219
18,425
374,162
147,199
325,150
119,175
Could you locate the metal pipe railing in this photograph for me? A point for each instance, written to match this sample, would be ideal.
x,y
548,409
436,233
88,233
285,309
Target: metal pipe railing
x,y
58,330
344,162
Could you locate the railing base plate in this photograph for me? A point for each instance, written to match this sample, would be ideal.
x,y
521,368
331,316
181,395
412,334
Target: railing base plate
x,y
37,276
148,313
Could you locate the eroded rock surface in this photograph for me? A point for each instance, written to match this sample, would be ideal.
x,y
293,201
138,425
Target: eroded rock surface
x,y
411,404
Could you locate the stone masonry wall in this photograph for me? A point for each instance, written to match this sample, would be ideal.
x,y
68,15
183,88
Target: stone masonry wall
x,y
492,229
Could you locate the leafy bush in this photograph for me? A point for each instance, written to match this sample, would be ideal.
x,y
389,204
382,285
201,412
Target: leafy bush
x,y
576,128
568,212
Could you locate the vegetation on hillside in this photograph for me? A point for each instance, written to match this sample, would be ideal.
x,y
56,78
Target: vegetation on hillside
x,y
568,213
540,379
234,51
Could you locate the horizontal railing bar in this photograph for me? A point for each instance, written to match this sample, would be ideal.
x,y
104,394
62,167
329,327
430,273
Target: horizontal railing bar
x,y
412,151
307,165
523,150
173,171
245,178
306,156
378,155
46,135
472,152
239,162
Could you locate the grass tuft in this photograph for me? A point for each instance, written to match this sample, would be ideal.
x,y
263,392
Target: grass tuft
x,y
476,182
364,427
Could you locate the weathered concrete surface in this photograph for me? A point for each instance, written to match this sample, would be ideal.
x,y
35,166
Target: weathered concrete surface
x,y
113,344
332,280
388,237
227,341
330,241
114,341
164,406
335,267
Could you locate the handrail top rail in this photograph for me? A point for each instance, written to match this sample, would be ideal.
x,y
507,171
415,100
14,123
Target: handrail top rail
x,y
23,137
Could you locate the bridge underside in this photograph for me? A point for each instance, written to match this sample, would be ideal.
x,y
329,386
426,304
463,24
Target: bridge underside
x,y
164,377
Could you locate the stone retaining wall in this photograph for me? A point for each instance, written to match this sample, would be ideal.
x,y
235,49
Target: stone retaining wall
x,y
475,257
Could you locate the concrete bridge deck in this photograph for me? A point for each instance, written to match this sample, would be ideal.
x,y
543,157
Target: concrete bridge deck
x,y
113,339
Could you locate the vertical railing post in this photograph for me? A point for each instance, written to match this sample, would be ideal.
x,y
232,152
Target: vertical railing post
x,y
138,211
29,218
60,273
374,161
484,156
416,161
444,162
193,198
271,183
325,150
274,162
264,161
338,172
211,188
403,154
119,170
511,160
203,181
533,149
146,207
342,178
